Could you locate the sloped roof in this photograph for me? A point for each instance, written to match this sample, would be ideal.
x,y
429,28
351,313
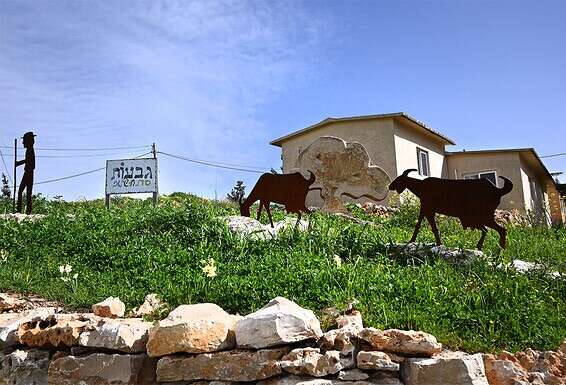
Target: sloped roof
x,y
401,115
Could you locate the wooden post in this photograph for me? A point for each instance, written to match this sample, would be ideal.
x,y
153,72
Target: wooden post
x,y
15,177
107,201
155,193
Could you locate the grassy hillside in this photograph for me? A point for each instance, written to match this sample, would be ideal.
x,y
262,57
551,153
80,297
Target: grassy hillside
x,y
173,250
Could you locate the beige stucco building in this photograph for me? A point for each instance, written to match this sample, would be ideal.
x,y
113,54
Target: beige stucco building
x,y
397,142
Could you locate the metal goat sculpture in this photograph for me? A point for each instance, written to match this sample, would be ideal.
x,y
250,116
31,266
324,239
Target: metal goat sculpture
x,y
473,201
287,189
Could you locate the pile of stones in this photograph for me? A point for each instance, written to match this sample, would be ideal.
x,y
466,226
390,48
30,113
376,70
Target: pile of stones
x,y
201,344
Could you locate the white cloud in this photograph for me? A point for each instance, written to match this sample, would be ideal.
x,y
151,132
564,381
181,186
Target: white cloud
x,y
189,75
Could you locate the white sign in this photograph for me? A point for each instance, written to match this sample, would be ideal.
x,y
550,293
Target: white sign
x,y
126,176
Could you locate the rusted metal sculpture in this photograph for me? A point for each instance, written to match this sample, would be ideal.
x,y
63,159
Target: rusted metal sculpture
x,y
27,179
342,169
287,189
473,201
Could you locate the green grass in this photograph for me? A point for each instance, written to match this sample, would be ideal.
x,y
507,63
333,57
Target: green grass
x,y
135,249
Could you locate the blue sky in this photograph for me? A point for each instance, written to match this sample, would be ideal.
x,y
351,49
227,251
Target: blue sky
x,y
219,80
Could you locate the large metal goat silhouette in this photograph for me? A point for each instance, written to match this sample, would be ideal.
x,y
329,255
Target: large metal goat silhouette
x,y
473,201
287,189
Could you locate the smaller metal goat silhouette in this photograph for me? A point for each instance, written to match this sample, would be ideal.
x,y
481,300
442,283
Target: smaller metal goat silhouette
x,y
473,201
288,189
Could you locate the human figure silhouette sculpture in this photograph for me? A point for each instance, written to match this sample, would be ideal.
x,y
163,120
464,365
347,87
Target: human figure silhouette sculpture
x,y
27,178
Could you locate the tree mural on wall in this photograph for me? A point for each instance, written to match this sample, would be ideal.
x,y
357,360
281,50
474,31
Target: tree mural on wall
x,y
342,169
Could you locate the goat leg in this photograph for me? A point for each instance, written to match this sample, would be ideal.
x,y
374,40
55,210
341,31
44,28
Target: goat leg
x,y
298,219
483,234
261,203
501,230
417,226
432,222
269,215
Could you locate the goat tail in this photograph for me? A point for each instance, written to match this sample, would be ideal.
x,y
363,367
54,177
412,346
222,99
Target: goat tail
x,y
507,186
312,178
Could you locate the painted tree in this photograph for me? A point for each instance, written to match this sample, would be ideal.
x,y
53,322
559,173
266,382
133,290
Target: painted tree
x,y
342,169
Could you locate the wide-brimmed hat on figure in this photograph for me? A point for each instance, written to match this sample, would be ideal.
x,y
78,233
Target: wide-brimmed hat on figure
x,y
28,134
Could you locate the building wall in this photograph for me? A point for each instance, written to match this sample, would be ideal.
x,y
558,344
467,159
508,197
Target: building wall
x,y
376,135
536,201
407,140
505,164
526,189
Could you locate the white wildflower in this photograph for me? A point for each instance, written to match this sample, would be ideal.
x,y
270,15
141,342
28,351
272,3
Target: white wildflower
x,y
68,269
61,269
338,260
75,276
209,268
65,279
3,256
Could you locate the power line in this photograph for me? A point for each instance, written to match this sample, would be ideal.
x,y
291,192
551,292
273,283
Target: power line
x,y
78,174
211,164
86,149
553,155
77,155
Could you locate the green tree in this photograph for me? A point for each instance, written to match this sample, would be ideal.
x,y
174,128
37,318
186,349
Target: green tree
x,y
237,193
6,191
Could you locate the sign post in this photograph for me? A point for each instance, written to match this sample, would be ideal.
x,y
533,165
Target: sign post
x,y
15,177
131,176
156,192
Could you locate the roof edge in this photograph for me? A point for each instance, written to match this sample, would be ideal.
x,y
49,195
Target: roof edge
x,y
278,141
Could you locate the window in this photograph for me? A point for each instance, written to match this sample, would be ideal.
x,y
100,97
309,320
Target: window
x,y
422,158
489,175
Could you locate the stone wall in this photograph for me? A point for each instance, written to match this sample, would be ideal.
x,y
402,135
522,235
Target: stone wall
x,y
280,344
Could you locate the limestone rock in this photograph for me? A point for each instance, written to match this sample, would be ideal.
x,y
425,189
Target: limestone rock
x,y
233,365
342,340
376,361
304,380
10,303
128,335
352,321
309,361
111,307
150,305
460,369
24,367
58,330
254,229
410,343
352,375
102,369
10,323
287,223
503,372
248,227
197,328
280,322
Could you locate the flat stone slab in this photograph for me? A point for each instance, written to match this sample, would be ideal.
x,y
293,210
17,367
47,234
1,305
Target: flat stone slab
x,y
103,369
129,335
404,342
232,365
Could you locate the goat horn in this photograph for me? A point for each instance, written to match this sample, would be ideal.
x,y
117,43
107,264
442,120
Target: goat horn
x,y
406,172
